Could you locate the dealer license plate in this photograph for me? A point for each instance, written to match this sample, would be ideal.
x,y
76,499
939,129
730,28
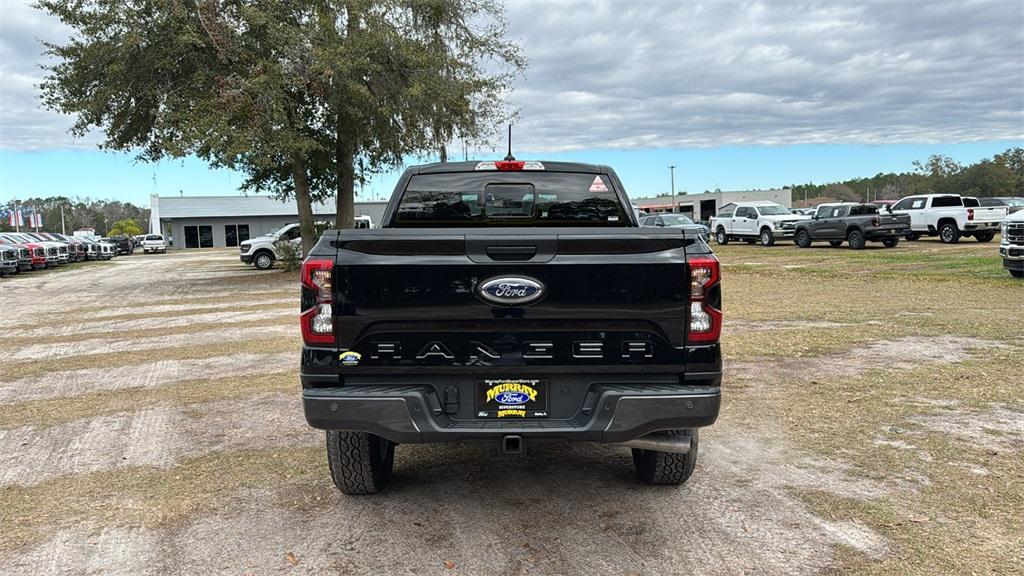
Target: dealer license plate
x,y
512,398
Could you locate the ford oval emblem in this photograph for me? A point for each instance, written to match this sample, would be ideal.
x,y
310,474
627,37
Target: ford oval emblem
x,y
511,290
507,398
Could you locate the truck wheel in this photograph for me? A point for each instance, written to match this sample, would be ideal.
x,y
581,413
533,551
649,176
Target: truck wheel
x,y
890,242
835,243
666,468
984,236
856,239
721,237
949,233
263,260
803,239
767,238
912,236
360,462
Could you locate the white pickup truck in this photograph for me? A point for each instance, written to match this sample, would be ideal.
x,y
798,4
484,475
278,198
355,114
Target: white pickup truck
x,y
153,243
261,251
753,221
949,217
1011,246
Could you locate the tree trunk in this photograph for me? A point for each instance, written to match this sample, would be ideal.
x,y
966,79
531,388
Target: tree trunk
x,y
444,153
305,205
344,156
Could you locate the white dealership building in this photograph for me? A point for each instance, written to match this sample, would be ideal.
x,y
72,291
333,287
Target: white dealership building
x,y
224,221
701,207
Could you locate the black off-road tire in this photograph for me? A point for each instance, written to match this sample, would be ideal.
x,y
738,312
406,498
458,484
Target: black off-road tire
x,y
721,237
360,462
803,238
667,468
949,233
835,243
855,239
890,242
984,236
766,237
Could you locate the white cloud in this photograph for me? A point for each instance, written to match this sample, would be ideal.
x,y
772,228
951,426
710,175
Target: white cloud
x,y
679,74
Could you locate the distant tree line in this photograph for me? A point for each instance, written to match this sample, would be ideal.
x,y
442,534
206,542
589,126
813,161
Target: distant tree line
x,y
100,215
1001,175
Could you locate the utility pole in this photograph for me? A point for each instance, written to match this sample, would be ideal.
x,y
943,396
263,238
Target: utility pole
x,y
672,175
17,218
62,230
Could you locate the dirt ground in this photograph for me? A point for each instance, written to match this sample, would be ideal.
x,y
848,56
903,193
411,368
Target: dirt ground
x,y
873,422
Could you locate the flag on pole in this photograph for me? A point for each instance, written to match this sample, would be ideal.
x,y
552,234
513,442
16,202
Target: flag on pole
x,y
35,219
15,218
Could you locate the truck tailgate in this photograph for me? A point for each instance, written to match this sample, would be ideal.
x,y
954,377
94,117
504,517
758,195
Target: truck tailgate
x,y
407,298
988,214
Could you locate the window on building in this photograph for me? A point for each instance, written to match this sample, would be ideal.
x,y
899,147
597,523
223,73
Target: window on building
x,y
234,234
191,237
198,236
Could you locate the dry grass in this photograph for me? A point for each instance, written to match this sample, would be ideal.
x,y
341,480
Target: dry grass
x,y
53,411
956,508
147,496
114,361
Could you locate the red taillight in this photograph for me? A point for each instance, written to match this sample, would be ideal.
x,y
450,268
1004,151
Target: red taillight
x,y
970,213
317,321
705,320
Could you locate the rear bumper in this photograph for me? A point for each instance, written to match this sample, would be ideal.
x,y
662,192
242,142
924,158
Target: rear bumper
x,y
885,234
414,413
981,226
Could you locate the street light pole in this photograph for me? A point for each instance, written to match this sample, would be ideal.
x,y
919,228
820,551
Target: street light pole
x,y
672,173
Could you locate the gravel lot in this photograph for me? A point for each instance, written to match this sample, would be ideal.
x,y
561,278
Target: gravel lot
x,y
151,424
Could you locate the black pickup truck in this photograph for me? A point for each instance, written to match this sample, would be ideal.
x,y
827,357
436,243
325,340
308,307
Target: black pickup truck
x,y
506,302
857,224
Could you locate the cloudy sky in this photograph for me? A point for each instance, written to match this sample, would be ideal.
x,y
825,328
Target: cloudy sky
x,y
736,94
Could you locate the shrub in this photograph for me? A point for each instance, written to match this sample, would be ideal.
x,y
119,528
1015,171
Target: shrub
x,y
290,255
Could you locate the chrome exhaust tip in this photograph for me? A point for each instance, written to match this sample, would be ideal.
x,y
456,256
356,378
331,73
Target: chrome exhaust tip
x,y
660,442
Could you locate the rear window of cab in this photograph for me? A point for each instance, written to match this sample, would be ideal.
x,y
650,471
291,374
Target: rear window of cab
x,y
532,198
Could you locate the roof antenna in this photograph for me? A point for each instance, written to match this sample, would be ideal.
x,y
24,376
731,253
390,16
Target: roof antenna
x,y
509,157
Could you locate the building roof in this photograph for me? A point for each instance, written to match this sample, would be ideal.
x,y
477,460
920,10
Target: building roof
x,y
233,206
722,196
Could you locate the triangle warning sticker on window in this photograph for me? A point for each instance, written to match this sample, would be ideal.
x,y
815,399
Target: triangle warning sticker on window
x,y
598,185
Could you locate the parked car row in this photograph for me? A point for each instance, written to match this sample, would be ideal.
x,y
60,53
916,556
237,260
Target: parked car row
x,y
948,216
26,251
